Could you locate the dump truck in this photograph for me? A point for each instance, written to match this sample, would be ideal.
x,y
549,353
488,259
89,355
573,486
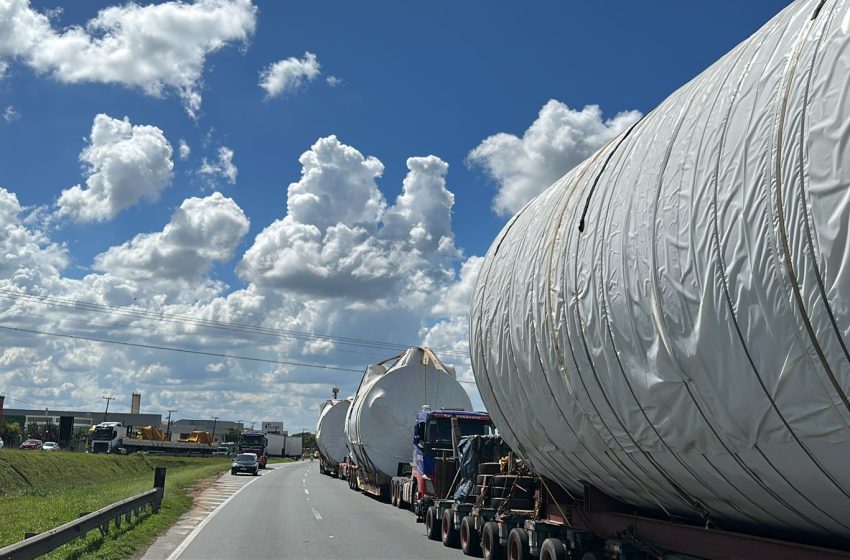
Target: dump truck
x,y
661,335
379,423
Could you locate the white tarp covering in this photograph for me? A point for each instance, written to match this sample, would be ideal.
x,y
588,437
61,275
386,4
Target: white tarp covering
x,y
688,350
330,430
379,424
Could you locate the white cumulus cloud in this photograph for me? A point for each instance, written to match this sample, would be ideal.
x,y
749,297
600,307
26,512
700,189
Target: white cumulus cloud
x,y
126,163
364,268
339,237
558,140
223,167
201,231
156,48
289,74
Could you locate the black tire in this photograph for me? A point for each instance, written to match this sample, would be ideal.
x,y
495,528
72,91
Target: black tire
x,y
593,555
470,540
518,545
449,535
432,524
491,548
553,549
399,500
392,495
232,472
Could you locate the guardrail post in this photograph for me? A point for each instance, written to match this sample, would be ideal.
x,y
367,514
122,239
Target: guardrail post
x,y
159,484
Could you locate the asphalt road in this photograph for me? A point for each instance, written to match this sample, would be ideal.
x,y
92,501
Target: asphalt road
x,y
292,511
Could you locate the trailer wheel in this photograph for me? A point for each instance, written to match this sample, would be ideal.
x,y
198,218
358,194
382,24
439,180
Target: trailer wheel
x,y
518,545
553,549
593,555
470,540
449,533
432,524
393,495
399,498
490,546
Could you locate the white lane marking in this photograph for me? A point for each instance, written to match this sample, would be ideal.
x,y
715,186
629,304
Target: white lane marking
x,y
188,540
316,514
306,491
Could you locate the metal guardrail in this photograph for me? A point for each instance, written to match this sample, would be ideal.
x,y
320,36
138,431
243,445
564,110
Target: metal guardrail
x,y
42,543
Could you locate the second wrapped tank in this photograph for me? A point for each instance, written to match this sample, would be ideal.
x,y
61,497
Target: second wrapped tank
x,y
379,423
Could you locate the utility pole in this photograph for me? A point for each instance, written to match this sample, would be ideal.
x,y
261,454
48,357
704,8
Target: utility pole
x,y
215,421
107,406
168,426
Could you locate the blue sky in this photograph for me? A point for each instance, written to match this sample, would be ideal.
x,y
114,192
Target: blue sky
x,y
411,80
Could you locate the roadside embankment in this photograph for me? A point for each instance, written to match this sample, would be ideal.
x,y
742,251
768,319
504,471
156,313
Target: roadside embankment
x,y
39,491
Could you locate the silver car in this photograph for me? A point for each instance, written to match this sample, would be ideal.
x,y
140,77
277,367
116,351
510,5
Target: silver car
x,y
50,446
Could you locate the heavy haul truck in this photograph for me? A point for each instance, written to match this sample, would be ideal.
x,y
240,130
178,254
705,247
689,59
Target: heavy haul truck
x,y
433,469
662,335
379,422
114,437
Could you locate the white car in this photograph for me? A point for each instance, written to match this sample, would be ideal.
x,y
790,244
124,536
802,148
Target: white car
x,y
50,446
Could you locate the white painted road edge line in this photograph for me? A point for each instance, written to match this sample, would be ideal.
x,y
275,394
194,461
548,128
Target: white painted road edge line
x,y
306,491
196,531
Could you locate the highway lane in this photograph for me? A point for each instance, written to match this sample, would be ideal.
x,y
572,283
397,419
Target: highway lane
x,y
293,511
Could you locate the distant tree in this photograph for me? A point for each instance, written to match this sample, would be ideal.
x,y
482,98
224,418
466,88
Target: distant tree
x,y
78,439
10,432
50,431
308,440
34,431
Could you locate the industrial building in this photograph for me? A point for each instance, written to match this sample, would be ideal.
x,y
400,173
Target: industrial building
x,y
69,421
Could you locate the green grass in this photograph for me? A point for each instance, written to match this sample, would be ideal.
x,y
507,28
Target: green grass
x,y
40,491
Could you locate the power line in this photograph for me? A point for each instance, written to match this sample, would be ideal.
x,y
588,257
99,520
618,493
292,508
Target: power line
x,y
194,321
44,405
256,338
181,350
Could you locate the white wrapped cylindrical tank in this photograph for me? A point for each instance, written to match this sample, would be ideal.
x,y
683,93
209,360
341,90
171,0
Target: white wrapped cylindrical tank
x,y
330,431
380,420
670,321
